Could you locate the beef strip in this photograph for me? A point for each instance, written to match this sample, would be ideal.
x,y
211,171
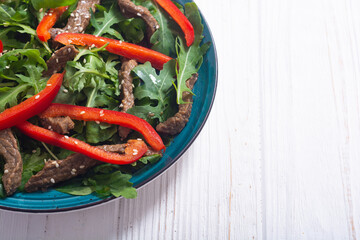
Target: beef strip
x,y
175,124
79,19
13,162
60,125
126,82
61,170
59,59
130,10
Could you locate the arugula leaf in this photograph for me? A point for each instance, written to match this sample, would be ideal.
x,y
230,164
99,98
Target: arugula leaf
x,y
133,29
104,25
32,163
104,181
157,88
23,68
96,133
45,4
9,95
190,58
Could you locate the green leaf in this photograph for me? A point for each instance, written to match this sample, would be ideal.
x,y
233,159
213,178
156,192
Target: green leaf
x,y
45,4
157,88
75,187
96,133
133,29
190,58
9,95
32,163
150,159
104,25
163,39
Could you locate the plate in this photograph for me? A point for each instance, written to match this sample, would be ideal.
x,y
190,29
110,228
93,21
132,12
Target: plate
x,y
204,90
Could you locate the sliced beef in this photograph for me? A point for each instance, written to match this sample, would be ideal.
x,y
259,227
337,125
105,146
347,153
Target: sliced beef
x,y
175,124
130,10
61,170
59,59
126,82
79,19
60,125
13,162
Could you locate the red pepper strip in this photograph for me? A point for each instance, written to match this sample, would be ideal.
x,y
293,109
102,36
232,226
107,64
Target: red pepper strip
x,y
1,47
48,22
134,150
108,116
121,48
180,19
32,106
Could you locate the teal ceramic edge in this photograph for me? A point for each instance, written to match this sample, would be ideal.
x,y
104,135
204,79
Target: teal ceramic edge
x,y
204,90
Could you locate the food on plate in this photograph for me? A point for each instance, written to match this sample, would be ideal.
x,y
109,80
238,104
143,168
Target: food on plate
x,y
90,90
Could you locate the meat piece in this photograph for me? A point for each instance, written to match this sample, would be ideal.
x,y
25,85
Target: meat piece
x,y
59,59
13,162
61,170
130,10
60,125
175,124
126,82
79,19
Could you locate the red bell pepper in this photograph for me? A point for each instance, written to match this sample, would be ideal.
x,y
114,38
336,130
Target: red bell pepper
x,y
121,48
32,106
134,150
108,116
48,22
1,47
180,19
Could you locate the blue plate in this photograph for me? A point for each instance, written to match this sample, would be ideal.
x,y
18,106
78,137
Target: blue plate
x,y
205,88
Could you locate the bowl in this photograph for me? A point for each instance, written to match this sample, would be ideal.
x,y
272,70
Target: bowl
x,y
204,90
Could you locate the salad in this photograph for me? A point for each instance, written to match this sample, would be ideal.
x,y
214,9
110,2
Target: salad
x,y
92,91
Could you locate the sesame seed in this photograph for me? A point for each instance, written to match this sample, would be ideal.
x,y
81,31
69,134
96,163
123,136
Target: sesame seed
x,y
82,112
45,160
33,151
135,152
49,84
52,180
67,137
121,105
157,26
84,60
6,171
57,165
102,113
57,60
41,10
139,139
37,96
65,90
7,67
76,142
139,14
69,49
82,166
49,127
73,170
97,122
73,173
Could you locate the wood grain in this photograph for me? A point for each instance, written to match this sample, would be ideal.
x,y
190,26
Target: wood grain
x,y
279,155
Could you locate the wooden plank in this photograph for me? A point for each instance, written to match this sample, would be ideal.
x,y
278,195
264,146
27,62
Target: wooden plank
x,y
309,59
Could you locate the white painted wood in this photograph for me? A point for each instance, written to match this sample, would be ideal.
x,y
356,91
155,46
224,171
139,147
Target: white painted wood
x,y
279,155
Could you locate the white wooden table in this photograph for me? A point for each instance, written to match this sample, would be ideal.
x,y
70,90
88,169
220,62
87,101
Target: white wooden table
x,y
279,157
